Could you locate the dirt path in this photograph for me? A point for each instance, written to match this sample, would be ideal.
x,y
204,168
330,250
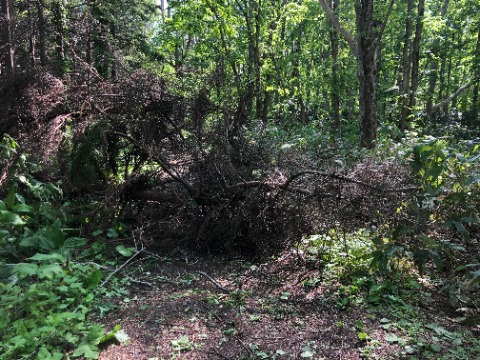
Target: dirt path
x,y
213,309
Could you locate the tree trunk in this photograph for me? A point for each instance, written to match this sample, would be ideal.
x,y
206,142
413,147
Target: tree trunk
x,y
41,33
257,59
31,39
476,77
59,22
335,92
7,56
297,50
406,67
113,31
366,50
432,83
416,57
367,71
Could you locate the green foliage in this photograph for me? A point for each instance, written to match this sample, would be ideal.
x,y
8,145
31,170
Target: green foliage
x,y
46,297
436,222
338,255
37,226
46,302
88,160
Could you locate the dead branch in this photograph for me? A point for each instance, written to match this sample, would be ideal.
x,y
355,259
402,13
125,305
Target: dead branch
x,y
452,97
123,265
214,282
162,162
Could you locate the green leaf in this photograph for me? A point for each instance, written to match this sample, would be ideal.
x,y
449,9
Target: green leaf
x,y
362,336
75,243
26,269
44,354
30,241
86,350
23,209
48,257
48,270
10,200
93,279
360,325
11,218
55,237
428,241
392,338
111,335
127,252
97,232
461,229
307,352
112,233
474,280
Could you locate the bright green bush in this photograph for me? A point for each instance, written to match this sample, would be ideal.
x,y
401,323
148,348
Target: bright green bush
x,y
45,297
438,220
45,304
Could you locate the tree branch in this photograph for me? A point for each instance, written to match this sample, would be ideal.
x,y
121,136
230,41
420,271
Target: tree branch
x,y
122,266
336,23
452,97
384,23
163,163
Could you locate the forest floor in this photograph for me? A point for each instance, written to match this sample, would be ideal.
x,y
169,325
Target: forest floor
x,y
212,308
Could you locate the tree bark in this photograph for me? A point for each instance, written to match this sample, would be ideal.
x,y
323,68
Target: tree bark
x,y
59,22
31,39
335,92
432,83
406,67
366,50
41,33
367,71
7,50
476,74
416,58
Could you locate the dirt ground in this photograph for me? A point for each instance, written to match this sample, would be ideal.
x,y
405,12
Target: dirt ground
x,y
196,308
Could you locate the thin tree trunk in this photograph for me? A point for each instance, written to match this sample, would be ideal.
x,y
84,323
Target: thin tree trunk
x,y
41,33
432,83
257,59
7,49
443,92
366,50
367,72
31,38
297,50
446,106
58,18
416,57
406,67
476,71
335,90
162,10
113,30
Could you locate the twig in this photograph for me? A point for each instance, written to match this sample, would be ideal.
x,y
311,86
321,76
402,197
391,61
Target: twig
x,y
214,282
103,267
121,267
140,282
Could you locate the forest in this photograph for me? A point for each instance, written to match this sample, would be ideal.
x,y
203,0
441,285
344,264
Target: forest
x,y
239,179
